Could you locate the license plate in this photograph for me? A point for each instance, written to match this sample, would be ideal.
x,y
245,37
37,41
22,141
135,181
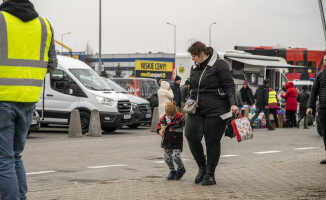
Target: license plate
x,y
127,117
148,115
34,121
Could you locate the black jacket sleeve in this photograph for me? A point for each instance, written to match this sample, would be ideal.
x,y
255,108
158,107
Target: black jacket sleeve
x,y
225,76
266,95
251,96
314,91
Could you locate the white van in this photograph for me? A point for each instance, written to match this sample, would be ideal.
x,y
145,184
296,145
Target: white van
x,y
75,85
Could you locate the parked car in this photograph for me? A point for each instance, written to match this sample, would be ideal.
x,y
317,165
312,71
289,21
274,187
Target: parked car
x,y
300,83
36,123
141,87
140,108
75,85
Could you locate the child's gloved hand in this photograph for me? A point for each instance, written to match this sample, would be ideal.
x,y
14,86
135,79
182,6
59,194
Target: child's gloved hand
x,y
161,133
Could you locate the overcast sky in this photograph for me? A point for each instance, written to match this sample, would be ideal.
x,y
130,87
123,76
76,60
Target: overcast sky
x,y
130,26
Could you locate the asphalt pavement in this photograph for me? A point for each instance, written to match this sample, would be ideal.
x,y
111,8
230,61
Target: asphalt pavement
x,y
129,164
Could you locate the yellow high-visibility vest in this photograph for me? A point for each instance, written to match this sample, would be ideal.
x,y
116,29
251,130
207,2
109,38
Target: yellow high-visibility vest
x,y
272,97
24,50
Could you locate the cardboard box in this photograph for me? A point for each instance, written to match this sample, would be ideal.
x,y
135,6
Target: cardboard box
x,y
245,112
271,117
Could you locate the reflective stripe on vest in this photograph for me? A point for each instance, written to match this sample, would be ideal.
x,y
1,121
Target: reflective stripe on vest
x,y
24,49
272,97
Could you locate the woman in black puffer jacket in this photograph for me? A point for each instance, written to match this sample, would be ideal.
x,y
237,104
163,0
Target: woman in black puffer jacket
x,y
216,97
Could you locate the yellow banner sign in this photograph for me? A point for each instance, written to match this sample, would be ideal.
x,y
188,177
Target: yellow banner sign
x,y
144,65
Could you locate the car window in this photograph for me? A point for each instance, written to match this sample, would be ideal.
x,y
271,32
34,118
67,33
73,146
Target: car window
x,y
61,81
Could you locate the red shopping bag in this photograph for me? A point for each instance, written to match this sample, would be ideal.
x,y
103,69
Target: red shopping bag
x,y
242,128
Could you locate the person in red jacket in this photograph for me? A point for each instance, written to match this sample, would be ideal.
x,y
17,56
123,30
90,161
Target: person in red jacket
x,y
291,104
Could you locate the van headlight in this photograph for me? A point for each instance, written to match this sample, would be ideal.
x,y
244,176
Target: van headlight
x,y
104,101
134,106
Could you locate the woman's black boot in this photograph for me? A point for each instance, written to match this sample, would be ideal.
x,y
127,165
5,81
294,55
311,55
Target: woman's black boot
x,y
209,178
201,172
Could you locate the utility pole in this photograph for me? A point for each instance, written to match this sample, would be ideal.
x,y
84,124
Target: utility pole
x,y
322,15
100,41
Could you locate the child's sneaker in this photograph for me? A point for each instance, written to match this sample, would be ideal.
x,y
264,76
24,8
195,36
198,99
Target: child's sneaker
x,y
171,175
180,173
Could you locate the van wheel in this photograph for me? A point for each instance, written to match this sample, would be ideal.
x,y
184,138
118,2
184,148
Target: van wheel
x,y
44,125
84,121
133,125
110,129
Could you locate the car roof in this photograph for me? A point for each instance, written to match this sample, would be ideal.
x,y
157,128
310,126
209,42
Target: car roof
x,y
137,78
302,82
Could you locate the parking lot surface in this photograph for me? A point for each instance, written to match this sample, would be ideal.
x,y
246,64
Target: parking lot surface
x,y
129,164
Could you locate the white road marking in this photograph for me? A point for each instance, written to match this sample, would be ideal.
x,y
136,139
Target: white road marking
x,y
106,166
266,152
163,161
306,148
42,172
227,156
159,162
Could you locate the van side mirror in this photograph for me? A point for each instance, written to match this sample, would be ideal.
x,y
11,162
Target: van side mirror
x,y
73,89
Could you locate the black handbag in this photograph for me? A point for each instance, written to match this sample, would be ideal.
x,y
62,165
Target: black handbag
x,y
191,105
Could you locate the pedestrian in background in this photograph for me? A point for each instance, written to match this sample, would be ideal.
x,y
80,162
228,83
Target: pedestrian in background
x,y
184,91
216,97
171,131
291,104
239,99
246,94
175,87
261,96
314,108
164,94
159,80
27,53
273,104
302,99
319,89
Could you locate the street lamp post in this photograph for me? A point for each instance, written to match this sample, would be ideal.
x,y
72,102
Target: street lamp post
x,y
62,39
100,39
210,40
175,37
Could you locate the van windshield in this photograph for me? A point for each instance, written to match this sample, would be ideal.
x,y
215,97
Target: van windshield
x,y
90,79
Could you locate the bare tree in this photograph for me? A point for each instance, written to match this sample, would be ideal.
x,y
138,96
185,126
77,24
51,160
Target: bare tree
x,y
89,55
118,71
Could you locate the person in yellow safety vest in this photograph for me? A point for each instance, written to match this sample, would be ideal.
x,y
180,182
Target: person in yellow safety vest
x,y
27,53
273,104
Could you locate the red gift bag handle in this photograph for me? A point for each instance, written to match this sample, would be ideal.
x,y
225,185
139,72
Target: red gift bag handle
x,y
236,115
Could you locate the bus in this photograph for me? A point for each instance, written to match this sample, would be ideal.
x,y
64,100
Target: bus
x,y
312,59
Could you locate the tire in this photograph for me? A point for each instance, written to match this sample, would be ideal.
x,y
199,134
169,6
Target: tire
x,y
319,130
44,125
109,129
133,125
84,121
